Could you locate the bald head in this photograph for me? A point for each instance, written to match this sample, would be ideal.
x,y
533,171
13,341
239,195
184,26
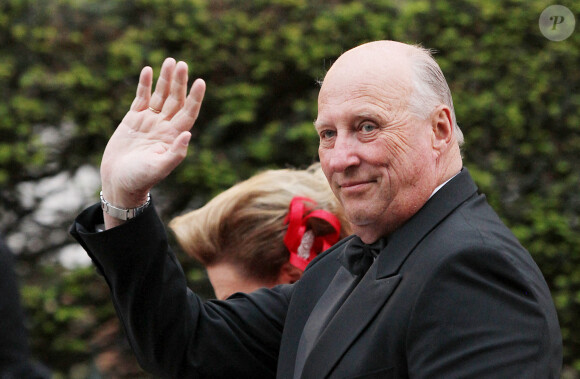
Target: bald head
x,y
377,55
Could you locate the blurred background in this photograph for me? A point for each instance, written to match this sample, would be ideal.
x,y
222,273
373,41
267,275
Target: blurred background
x,y
68,72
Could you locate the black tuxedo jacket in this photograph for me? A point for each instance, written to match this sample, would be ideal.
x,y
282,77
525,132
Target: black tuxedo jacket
x,y
452,295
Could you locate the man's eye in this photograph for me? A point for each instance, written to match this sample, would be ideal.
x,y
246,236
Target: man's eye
x,y
326,134
367,128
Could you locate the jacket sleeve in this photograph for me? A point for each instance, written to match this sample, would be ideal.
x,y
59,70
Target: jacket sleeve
x,y
171,330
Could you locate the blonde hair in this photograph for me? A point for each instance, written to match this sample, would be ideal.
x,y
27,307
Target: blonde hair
x,y
244,225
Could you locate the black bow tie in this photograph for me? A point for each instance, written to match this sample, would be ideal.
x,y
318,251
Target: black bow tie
x,y
359,256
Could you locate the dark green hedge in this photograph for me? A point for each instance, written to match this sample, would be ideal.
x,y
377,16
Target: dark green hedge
x,y
77,62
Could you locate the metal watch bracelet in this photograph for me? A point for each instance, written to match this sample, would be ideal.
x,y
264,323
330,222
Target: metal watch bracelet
x,y
123,213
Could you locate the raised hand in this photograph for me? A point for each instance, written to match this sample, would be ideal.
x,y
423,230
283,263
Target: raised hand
x,y
153,137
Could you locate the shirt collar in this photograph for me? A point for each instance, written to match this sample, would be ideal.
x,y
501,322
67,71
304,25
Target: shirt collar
x,y
442,184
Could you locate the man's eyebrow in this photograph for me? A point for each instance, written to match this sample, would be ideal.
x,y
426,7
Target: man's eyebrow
x,y
318,123
363,115
359,116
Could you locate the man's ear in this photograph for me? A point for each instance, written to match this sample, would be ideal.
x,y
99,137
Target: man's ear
x,y
442,127
289,274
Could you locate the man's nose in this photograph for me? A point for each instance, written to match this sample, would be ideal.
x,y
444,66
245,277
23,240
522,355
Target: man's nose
x,y
344,153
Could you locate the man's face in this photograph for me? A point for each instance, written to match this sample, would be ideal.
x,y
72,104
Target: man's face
x,y
377,156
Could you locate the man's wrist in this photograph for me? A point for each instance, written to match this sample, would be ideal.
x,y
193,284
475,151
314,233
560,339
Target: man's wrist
x,y
123,213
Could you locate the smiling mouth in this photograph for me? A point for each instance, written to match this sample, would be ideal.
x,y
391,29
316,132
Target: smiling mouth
x,y
355,185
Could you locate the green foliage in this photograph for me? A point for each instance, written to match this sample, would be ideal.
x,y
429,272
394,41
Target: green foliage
x,y
65,309
515,93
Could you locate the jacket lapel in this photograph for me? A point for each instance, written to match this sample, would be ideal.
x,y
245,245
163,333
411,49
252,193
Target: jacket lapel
x,y
356,313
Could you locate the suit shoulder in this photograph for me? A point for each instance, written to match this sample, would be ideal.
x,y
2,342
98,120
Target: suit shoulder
x,y
475,240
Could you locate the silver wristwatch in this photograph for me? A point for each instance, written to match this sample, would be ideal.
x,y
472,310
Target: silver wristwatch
x,y
123,213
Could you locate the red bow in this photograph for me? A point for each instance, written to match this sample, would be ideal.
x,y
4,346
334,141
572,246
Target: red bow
x,y
303,245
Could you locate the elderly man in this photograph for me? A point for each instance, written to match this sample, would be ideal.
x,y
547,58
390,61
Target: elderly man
x,y
433,285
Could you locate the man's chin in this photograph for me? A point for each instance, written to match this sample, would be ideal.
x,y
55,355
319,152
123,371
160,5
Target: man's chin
x,y
358,219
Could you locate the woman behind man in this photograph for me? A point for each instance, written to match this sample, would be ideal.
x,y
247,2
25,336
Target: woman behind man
x,y
263,231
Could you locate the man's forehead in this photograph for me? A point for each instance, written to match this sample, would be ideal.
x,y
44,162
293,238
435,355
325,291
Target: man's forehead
x,y
379,83
370,89
364,101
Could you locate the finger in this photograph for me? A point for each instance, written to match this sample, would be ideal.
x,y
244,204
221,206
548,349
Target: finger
x,y
177,152
143,94
177,92
186,117
180,144
163,84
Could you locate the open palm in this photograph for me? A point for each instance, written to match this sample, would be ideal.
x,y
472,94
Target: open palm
x,y
153,137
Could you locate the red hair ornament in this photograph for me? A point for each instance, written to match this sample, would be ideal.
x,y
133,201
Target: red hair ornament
x,y
303,245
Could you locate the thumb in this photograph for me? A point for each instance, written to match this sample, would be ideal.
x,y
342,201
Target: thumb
x,y
180,145
175,154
